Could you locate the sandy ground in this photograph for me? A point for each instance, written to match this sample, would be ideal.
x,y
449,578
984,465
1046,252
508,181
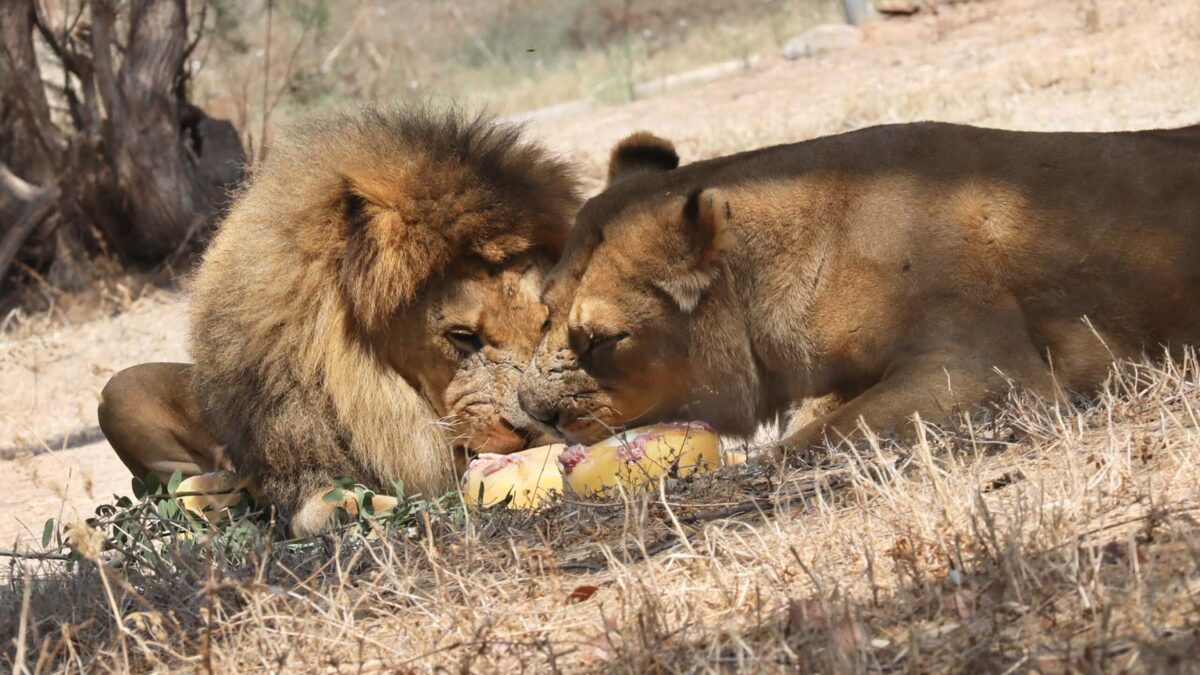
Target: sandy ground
x,y
1020,64
49,386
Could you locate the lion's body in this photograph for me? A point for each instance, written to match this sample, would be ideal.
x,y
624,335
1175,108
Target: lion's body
x,y
320,308
894,269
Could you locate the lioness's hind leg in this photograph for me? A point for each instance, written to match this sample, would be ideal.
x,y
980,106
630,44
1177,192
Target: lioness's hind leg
x,y
151,418
935,386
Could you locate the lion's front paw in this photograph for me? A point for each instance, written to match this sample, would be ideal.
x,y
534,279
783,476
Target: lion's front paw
x,y
383,503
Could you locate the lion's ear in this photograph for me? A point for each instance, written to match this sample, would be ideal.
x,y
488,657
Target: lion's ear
x,y
706,215
642,152
386,258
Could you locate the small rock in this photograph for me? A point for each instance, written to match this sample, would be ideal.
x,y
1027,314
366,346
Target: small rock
x,y
823,38
898,7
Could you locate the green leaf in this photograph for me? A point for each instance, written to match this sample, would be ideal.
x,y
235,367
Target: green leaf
x,y
176,479
344,482
398,489
152,483
333,496
47,532
139,488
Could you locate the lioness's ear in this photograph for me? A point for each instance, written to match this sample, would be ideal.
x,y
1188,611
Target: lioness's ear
x,y
642,152
706,215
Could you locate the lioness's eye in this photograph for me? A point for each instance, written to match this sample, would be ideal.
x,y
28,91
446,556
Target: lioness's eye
x,y
464,340
596,341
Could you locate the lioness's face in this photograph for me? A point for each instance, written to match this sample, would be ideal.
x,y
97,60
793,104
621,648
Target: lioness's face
x,y
464,343
616,347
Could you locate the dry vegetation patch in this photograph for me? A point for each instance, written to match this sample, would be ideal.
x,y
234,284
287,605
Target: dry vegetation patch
x,y
1040,539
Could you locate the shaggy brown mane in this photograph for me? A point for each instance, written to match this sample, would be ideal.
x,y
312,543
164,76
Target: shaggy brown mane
x,y
472,184
349,221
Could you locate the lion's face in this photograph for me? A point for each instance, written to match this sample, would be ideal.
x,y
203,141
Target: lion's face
x,y
473,331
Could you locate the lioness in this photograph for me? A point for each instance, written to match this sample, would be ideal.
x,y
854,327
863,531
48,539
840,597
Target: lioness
x,y
369,301
914,268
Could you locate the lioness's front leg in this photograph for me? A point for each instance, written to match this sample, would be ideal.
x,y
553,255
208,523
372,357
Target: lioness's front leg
x,y
150,416
934,386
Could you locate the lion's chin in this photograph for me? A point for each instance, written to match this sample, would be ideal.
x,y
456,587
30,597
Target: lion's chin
x,y
587,432
542,437
498,440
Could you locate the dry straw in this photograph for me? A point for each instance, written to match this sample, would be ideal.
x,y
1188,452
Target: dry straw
x,y
1039,538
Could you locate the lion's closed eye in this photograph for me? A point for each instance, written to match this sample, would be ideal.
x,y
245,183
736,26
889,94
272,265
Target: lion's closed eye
x,y
465,341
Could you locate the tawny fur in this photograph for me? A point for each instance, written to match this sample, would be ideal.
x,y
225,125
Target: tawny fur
x,y
641,152
894,270
315,309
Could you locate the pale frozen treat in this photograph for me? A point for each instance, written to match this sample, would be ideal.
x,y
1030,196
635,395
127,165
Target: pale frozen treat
x,y
530,476
210,495
638,457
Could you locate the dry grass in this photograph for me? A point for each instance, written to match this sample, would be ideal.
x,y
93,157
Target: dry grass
x,y
1041,540
508,55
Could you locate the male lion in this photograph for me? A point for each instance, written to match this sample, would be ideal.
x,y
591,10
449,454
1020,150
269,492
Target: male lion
x,y
371,298
914,268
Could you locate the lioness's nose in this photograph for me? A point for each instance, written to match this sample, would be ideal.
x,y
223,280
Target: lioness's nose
x,y
538,407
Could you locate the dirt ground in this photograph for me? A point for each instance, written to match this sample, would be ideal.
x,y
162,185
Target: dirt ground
x,y
1019,64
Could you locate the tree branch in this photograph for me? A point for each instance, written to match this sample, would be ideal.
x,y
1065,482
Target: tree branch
x,y
32,555
187,52
16,44
73,63
20,189
37,204
291,63
103,20
79,65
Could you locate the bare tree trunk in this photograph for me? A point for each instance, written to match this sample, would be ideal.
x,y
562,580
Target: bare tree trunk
x,y
16,28
137,163
30,135
154,171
